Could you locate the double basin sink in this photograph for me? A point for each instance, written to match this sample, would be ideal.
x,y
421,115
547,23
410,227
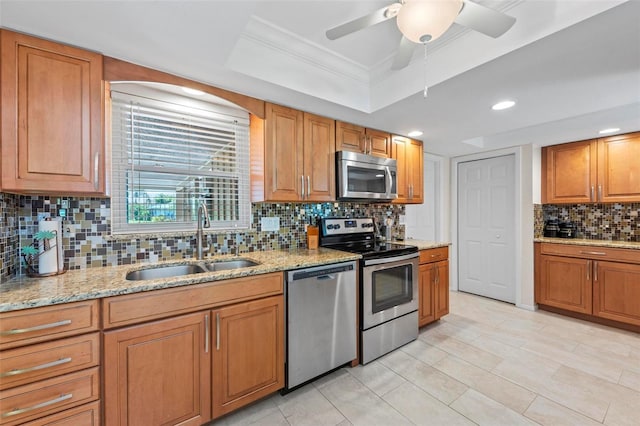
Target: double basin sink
x,y
168,271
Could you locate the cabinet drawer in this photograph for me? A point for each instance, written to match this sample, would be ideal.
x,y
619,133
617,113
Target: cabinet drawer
x,y
85,415
29,326
434,255
140,307
591,252
37,362
46,397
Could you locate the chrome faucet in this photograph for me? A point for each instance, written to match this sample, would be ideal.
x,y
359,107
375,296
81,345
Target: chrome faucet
x,y
203,222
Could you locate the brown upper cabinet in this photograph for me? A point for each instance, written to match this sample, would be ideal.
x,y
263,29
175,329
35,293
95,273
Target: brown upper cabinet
x,y
408,154
350,137
600,170
292,156
52,114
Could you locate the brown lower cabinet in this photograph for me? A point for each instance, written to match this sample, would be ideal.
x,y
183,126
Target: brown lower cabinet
x,y
159,373
187,355
248,357
434,285
599,282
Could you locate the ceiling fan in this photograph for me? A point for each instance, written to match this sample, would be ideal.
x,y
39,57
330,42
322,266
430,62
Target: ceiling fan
x,y
422,21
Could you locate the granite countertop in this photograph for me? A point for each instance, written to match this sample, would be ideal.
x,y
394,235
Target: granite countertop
x,y
422,244
94,283
595,243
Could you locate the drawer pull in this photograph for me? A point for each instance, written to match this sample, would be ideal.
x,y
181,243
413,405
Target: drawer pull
x,y
17,411
15,372
594,253
436,255
36,328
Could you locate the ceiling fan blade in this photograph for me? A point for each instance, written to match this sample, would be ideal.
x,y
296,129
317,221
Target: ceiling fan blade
x,y
404,54
365,21
484,20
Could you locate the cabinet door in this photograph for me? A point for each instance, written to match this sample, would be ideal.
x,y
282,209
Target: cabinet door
x,y
566,283
569,173
319,158
619,168
441,293
379,143
158,373
415,171
283,153
349,137
399,151
426,309
52,103
408,153
616,291
248,353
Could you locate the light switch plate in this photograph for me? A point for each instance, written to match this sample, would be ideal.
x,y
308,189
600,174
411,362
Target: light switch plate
x,y
270,224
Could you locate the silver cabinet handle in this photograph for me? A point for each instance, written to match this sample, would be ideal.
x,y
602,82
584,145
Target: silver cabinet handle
x,y
206,333
595,253
308,186
595,270
591,195
302,185
17,371
599,192
437,275
96,171
435,255
217,332
588,270
35,328
17,411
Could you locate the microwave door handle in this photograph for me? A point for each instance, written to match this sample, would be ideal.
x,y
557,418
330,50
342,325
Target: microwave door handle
x,y
389,181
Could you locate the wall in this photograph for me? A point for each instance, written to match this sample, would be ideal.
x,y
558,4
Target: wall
x,y
88,243
614,222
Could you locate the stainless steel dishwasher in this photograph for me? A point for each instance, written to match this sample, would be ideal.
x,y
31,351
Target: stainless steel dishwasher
x,y
321,321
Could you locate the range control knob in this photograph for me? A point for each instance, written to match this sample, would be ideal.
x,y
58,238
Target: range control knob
x,y
336,226
329,226
364,225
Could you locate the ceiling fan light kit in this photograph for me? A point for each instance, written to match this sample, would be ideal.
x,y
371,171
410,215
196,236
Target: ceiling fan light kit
x,y
425,21
422,21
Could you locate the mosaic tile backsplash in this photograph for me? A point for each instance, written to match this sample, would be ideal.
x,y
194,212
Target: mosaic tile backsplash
x,y
614,222
88,243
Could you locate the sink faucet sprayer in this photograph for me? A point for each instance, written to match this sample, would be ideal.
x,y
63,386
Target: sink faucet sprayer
x,y
203,222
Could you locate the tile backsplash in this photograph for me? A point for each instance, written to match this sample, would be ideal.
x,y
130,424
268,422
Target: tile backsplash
x,y
615,221
88,243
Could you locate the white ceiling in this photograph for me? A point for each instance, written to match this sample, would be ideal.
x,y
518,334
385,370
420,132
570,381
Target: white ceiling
x,y
573,66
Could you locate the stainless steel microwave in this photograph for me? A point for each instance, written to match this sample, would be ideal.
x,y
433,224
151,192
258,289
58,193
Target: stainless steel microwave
x,y
365,177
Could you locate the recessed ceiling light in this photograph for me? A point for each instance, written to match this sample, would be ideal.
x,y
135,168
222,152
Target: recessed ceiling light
x,y
193,91
610,130
414,133
503,105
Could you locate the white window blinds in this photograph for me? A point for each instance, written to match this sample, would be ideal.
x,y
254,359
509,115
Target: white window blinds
x,y
169,155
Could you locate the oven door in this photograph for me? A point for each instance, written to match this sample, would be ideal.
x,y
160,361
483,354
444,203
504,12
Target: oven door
x,y
357,180
389,288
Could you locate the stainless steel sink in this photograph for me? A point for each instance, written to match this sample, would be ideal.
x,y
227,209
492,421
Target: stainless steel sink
x,y
164,272
225,265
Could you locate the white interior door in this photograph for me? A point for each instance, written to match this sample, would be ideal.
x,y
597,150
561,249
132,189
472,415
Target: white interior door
x,y
486,227
421,219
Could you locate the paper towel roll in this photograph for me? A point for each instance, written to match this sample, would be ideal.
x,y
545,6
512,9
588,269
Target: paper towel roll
x,y
52,261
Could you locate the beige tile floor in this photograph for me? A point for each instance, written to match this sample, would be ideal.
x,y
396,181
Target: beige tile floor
x,y
486,363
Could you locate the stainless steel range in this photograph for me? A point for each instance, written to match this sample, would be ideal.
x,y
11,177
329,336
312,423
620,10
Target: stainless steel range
x,y
388,285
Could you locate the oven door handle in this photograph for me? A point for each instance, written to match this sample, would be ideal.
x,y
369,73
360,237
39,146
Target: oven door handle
x,y
383,260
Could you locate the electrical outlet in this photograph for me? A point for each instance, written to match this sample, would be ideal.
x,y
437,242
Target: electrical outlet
x,y
43,216
402,219
270,224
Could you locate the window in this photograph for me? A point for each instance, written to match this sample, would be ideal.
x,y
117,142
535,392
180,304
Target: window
x,y
169,153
